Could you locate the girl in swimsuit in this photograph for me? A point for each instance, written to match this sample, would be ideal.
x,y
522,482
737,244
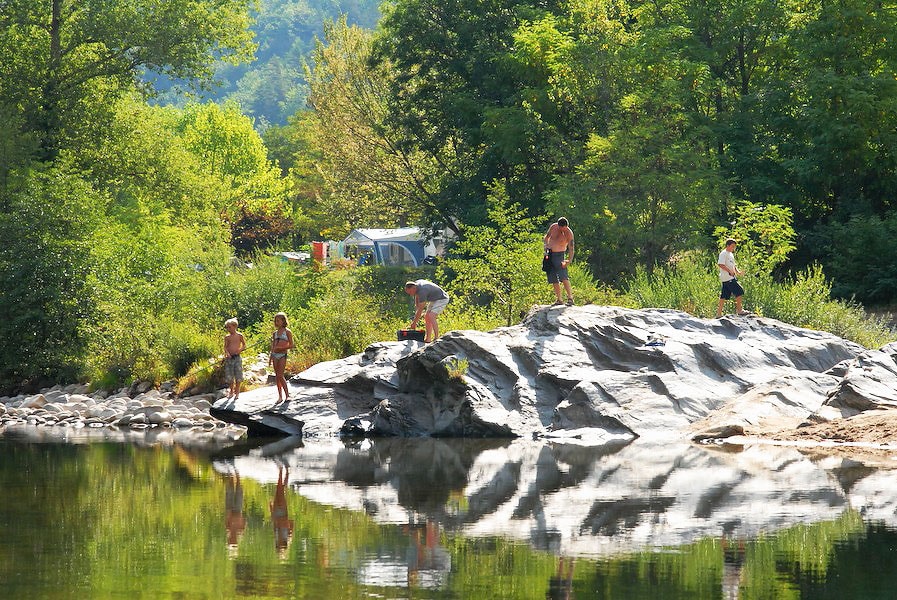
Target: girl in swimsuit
x,y
281,342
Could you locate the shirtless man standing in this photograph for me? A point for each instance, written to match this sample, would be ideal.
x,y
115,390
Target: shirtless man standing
x,y
558,241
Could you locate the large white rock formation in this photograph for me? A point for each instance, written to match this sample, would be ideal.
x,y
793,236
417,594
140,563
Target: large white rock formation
x,y
596,373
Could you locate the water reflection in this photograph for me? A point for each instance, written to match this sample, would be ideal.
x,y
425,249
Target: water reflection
x,y
443,519
426,562
283,525
234,520
733,562
576,500
560,586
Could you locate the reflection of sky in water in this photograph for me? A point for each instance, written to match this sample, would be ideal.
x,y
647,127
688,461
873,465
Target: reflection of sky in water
x,y
581,500
381,571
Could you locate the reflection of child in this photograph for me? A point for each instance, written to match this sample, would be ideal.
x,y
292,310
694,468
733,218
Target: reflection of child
x,y
281,342
425,554
234,521
560,587
234,344
283,525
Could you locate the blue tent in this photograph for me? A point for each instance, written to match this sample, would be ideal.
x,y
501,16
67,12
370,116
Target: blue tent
x,y
400,246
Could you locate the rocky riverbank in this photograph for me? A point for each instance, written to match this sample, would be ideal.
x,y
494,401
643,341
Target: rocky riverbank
x,y
593,374
61,412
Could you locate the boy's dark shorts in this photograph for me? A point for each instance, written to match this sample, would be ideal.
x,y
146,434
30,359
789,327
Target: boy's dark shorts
x,y
731,288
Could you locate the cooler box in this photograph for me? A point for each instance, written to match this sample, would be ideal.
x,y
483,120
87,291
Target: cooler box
x,y
416,335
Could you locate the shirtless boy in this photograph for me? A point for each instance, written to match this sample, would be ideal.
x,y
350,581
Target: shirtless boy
x,y
234,344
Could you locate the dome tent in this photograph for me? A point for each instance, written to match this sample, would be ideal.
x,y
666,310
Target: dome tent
x,y
402,246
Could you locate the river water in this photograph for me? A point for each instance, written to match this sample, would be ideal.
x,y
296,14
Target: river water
x,y
86,517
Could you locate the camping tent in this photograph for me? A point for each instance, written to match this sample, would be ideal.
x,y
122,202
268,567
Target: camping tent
x,y
400,246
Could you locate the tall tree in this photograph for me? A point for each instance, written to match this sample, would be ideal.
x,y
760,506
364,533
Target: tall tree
x,y
64,60
499,259
371,176
44,269
459,95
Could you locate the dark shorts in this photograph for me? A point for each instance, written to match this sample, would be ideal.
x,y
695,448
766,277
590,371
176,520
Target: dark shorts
x,y
731,288
557,273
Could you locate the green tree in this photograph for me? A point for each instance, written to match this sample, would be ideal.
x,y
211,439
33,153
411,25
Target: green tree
x,y
370,176
765,235
840,103
62,62
459,96
253,193
43,277
656,163
500,260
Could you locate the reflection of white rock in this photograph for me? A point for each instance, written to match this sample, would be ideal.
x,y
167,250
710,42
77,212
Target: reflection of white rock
x,y
581,500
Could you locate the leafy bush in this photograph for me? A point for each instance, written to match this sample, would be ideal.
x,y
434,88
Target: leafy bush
x,y
184,345
685,285
251,293
334,326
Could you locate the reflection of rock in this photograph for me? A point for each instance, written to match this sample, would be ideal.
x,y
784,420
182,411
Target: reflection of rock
x,y
580,500
577,372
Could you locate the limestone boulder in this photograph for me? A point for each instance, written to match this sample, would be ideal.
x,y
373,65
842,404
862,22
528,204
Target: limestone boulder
x,y
595,373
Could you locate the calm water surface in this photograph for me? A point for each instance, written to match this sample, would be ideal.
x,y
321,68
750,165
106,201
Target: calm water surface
x,y
441,519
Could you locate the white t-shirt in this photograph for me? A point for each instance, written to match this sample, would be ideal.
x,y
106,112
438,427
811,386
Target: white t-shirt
x,y
726,258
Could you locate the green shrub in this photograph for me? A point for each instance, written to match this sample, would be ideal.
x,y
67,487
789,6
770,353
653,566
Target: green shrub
x,y
385,286
686,285
334,326
183,345
804,299
859,255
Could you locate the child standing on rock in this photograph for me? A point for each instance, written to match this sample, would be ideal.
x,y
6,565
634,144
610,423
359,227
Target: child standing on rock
x,y
281,342
234,344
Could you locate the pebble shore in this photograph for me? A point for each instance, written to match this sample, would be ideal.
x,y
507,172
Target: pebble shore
x,y
136,412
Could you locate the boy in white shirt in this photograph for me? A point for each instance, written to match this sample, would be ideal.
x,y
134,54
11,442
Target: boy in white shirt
x,y
727,276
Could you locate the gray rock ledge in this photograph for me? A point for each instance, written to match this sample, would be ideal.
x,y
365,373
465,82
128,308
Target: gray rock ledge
x,y
593,373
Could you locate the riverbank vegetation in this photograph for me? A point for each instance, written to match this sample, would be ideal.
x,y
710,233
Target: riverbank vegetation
x,y
658,129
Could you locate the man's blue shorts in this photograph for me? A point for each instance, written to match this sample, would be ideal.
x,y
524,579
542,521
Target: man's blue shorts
x,y
731,288
557,273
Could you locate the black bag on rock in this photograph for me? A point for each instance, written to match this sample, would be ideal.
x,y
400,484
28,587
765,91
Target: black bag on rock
x,y
406,335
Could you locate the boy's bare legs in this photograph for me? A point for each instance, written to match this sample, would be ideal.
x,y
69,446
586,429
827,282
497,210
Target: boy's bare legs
x,y
557,291
719,309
